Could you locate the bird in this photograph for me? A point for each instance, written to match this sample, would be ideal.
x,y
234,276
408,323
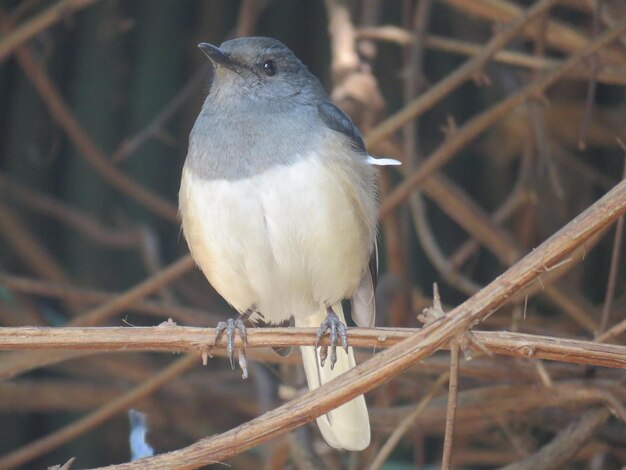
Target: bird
x,y
278,204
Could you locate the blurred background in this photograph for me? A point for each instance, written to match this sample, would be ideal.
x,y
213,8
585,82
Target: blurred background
x,y
97,99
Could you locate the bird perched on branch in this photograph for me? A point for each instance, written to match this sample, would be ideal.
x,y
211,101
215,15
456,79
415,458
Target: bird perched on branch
x,y
278,206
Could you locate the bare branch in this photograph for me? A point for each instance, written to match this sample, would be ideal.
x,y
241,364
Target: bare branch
x,y
391,362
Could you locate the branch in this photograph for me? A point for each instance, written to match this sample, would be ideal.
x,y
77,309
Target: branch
x,y
453,386
479,123
565,444
12,365
393,361
37,24
457,78
558,35
100,415
609,74
179,338
62,114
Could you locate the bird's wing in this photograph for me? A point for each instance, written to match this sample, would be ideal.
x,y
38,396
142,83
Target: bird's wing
x,y
337,120
363,300
363,303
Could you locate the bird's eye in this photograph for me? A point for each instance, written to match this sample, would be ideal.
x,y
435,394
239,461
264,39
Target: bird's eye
x,y
269,68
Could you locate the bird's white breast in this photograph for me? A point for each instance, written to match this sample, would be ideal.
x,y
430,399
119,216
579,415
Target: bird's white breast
x,y
284,241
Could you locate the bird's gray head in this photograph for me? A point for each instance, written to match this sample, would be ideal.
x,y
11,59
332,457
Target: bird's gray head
x,y
257,70
263,109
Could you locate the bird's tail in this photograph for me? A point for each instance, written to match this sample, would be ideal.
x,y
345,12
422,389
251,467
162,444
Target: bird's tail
x,y
346,427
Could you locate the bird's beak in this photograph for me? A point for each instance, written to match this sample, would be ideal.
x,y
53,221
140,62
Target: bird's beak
x,y
217,56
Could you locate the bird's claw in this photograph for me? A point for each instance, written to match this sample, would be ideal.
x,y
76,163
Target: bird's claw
x,y
230,326
336,328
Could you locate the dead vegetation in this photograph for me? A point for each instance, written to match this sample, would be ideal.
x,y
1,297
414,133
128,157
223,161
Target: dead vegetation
x,y
509,118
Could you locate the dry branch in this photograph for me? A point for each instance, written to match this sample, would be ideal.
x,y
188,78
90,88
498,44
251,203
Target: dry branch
x,y
391,362
457,78
566,444
173,338
61,112
37,24
608,74
14,365
464,135
97,417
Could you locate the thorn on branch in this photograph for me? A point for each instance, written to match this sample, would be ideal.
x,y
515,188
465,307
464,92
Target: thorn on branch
x,y
450,128
480,78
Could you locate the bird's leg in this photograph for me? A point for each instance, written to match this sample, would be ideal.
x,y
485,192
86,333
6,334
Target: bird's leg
x,y
335,327
230,326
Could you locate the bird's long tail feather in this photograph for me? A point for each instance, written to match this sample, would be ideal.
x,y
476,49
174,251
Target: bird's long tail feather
x,y
346,427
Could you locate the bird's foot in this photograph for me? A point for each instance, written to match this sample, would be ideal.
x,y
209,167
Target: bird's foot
x,y
230,327
336,328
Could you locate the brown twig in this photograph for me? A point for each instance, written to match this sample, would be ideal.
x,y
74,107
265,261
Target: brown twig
x,y
470,216
463,210
592,83
494,401
479,123
565,444
97,417
559,35
84,223
433,251
71,293
457,78
141,290
28,248
34,26
518,198
174,338
607,74
448,442
391,362
405,424
344,58
63,115
130,145
14,365
249,13
613,269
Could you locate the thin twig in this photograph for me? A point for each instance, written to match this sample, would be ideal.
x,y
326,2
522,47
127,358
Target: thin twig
x,y
72,293
453,386
565,445
34,26
614,268
31,251
13,365
406,424
130,145
479,123
518,198
592,83
84,223
63,115
97,417
491,403
391,362
559,35
464,211
457,78
607,74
